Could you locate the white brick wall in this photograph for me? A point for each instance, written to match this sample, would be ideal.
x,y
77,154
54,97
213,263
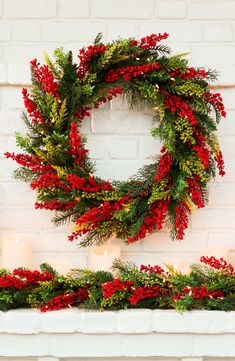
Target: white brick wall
x,y
129,335
118,139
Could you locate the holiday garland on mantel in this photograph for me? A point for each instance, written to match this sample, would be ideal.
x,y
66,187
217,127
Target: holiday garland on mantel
x,y
56,162
210,285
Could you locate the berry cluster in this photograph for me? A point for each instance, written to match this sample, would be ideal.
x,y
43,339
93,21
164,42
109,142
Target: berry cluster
x,y
144,292
219,264
130,72
32,109
44,77
65,300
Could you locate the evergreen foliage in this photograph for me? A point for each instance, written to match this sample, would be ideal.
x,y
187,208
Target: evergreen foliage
x,y
56,163
209,286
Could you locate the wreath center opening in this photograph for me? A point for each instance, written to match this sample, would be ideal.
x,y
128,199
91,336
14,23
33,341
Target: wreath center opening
x,y
119,139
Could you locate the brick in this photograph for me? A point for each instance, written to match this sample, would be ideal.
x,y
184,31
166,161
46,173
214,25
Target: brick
x,y
64,321
120,122
171,321
232,321
45,358
6,169
139,123
96,147
73,9
3,146
10,121
117,169
86,126
147,345
221,194
99,322
26,32
22,322
192,242
230,174
149,147
218,32
133,321
220,10
3,73
1,196
122,30
19,194
19,74
227,146
228,97
71,31
227,126
2,315
208,322
39,9
70,259
226,74
122,148
24,218
23,54
201,343
24,346
178,31
5,31
119,103
214,239
211,218
76,345
11,98
214,55
106,122
171,9
57,242
192,359
127,9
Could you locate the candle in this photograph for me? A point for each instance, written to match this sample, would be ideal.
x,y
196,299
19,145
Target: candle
x,y
62,266
17,252
102,257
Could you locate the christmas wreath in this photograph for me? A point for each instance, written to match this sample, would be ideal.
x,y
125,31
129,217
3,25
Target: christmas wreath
x,y
56,162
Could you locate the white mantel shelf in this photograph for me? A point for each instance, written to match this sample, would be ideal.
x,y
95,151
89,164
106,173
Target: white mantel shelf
x,y
74,333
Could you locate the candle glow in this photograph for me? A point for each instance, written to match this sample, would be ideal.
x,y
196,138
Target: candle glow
x,y
102,257
17,252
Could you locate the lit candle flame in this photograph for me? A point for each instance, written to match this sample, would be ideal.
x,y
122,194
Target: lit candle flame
x,y
105,252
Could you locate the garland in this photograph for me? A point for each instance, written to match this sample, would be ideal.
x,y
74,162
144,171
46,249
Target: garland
x,y
210,285
56,162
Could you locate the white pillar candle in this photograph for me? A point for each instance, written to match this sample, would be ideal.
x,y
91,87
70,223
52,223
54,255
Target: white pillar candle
x,y
16,252
62,266
102,257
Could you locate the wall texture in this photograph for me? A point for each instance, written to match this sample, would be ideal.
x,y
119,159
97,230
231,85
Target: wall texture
x,y
126,335
118,139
